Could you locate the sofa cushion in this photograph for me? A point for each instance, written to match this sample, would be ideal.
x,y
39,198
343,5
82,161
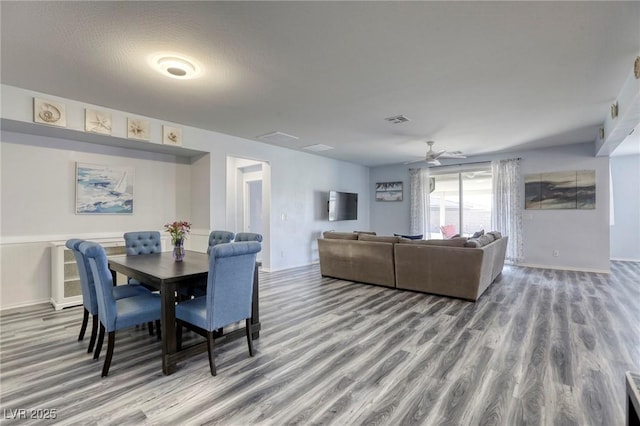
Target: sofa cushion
x,y
481,241
364,232
496,234
454,242
331,235
378,238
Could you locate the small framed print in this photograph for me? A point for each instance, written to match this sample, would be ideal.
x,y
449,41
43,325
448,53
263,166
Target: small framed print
x,y
171,135
138,128
97,121
389,191
49,112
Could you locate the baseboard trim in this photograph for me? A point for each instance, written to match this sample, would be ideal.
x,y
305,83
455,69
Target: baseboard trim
x,y
622,259
25,304
565,268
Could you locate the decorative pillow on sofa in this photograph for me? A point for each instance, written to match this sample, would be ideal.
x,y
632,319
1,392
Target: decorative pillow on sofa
x,y
331,235
410,237
477,234
378,238
481,241
496,235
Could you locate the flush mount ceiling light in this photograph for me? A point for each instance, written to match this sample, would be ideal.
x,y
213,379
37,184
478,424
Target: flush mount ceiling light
x,y
175,67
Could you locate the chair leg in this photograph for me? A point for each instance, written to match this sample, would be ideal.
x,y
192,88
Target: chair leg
x,y
158,330
96,354
83,327
94,333
150,327
210,344
249,339
179,335
107,361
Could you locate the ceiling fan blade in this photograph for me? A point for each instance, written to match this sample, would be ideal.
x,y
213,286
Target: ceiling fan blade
x,y
452,155
438,154
434,162
415,161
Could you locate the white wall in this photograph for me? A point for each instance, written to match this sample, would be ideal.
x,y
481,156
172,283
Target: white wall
x,y
580,236
299,184
625,231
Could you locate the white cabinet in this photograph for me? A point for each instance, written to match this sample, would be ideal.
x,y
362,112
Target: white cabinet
x,y
65,281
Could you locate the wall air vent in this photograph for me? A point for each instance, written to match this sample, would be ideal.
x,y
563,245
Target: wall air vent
x,y
317,147
397,119
277,138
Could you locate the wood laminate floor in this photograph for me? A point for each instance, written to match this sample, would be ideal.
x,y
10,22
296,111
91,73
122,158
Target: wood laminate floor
x,y
541,347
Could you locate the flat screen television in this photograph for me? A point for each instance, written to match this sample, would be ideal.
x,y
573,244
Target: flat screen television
x,y
343,206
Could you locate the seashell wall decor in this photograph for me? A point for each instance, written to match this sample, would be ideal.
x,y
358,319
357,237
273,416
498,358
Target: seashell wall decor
x,y
49,112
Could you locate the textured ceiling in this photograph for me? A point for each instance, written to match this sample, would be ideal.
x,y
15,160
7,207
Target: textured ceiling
x,y
478,77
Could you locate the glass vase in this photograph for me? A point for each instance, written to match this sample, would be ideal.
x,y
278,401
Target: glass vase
x,y
178,251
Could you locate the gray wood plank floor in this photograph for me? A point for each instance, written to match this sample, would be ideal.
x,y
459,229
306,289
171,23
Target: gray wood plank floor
x,y
541,347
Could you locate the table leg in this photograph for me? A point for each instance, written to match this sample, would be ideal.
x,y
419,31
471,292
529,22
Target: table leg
x,y
169,346
255,308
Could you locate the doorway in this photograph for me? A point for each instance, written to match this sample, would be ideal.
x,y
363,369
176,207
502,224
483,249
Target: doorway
x,y
248,200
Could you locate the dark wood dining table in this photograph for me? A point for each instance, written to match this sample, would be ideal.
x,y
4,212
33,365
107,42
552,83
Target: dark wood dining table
x,y
163,273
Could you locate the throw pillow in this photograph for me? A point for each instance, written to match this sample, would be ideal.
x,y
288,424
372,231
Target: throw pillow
x,y
477,234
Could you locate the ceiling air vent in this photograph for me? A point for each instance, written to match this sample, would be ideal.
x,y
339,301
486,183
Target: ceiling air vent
x,y
397,119
277,138
317,147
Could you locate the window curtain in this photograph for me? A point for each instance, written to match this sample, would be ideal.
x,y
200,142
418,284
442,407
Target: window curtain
x,y
419,202
508,202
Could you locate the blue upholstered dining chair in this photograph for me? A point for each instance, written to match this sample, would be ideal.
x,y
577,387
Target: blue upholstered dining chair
x,y
142,242
215,238
228,298
219,237
89,298
116,314
248,236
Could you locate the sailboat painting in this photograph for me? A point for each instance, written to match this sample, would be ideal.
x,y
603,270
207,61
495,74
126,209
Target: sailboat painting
x,y
104,189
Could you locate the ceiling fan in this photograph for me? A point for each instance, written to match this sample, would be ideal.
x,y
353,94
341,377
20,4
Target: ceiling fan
x,y
432,157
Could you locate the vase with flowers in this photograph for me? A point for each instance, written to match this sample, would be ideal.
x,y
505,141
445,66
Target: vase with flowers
x,y
178,231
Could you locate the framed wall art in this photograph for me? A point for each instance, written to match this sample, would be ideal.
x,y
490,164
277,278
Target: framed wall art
x,y
49,112
138,128
560,190
171,135
97,121
102,189
389,191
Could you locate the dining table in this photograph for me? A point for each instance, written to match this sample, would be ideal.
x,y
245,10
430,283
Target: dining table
x,y
161,272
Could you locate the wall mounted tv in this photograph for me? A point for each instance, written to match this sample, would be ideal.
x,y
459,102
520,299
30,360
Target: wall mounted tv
x,y
343,206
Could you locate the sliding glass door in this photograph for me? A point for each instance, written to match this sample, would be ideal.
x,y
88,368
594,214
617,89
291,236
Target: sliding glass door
x,y
460,202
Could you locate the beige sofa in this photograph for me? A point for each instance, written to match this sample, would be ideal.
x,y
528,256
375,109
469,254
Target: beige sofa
x,y
457,268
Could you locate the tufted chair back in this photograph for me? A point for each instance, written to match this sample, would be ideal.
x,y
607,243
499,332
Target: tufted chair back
x,y
142,242
219,237
97,259
248,236
86,277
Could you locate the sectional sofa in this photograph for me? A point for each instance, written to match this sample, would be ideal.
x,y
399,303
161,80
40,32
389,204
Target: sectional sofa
x,y
459,267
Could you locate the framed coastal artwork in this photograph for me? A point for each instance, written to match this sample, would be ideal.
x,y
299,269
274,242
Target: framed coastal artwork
x,y
138,128
49,112
172,135
103,189
574,189
389,191
97,121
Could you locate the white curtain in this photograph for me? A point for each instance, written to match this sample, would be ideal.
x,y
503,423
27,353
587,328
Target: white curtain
x,y
419,201
508,202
